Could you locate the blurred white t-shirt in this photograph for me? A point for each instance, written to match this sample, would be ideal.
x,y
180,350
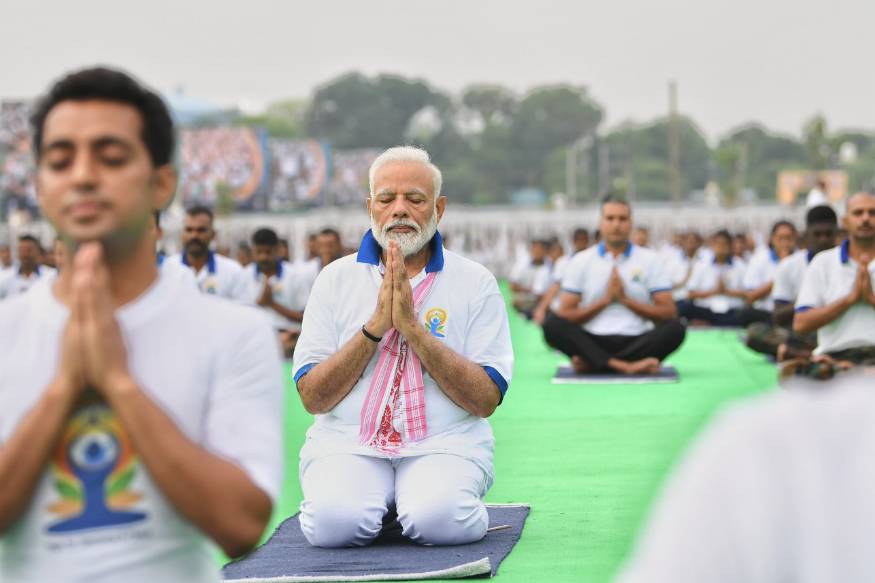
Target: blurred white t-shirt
x,y
776,489
96,515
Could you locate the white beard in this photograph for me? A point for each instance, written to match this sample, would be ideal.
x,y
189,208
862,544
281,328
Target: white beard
x,y
408,243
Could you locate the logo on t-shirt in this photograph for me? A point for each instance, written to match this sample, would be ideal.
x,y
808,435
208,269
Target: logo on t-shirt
x,y
93,467
210,286
436,322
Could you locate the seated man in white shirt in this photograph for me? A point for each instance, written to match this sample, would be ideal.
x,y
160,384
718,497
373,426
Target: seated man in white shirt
x,y
28,272
837,298
526,275
715,287
215,274
278,287
759,276
616,313
405,350
777,338
549,284
139,420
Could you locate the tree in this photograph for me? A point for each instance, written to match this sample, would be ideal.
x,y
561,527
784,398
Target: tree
x,y
765,155
548,118
493,104
281,119
817,142
355,111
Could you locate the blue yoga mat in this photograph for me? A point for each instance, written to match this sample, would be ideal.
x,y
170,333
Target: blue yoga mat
x,y
287,557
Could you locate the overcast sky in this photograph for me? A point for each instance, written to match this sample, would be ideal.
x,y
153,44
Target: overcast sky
x,y
774,61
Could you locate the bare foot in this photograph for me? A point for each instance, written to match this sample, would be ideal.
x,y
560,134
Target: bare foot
x,y
579,365
645,366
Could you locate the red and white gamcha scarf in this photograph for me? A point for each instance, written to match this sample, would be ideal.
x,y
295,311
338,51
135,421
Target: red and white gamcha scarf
x,y
396,388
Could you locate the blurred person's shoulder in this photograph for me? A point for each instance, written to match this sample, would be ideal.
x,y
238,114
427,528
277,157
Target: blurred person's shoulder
x,y
212,316
809,416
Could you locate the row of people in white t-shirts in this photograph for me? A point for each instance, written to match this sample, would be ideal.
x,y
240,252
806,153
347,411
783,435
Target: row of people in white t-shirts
x,y
224,277
221,276
701,273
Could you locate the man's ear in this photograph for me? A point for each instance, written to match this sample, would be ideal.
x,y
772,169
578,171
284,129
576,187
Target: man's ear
x,y
164,182
441,205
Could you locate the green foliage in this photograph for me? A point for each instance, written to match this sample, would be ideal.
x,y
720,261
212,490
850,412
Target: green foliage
x,y
282,119
354,111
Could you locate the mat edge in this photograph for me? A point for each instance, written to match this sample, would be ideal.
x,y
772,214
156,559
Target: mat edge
x,y
473,569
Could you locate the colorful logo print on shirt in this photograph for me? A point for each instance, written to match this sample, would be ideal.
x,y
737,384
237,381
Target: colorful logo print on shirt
x,y
93,467
436,322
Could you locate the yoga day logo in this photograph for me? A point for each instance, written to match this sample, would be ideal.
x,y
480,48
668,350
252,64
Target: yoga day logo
x,y
93,467
436,322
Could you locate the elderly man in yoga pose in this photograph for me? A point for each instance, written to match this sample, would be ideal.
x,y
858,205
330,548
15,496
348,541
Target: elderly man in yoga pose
x,y
405,350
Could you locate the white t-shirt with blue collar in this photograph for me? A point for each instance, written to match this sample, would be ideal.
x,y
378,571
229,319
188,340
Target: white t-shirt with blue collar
x,y
705,277
290,284
760,271
788,276
589,272
13,282
465,310
221,276
830,277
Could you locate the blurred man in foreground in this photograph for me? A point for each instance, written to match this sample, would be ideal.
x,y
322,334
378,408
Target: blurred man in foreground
x,y
139,419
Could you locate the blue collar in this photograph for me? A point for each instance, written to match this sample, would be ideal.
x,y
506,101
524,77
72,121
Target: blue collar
x,y
35,270
603,249
730,262
211,262
810,256
845,250
774,255
160,258
279,269
369,252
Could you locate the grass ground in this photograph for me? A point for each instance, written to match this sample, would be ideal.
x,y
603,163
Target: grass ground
x,y
589,459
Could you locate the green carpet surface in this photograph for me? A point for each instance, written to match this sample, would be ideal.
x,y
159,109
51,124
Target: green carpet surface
x,y
588,458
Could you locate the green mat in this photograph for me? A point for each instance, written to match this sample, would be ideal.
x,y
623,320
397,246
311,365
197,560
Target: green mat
x,y
588,461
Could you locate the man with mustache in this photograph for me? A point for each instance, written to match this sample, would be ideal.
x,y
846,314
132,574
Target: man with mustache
x,y
616,313
277,286
216,275
837,299
20,279
139,419
405,350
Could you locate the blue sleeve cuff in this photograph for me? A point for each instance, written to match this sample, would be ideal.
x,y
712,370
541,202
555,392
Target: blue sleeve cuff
x,y
303,370
780,302
801,309
660,290
571,291
499,380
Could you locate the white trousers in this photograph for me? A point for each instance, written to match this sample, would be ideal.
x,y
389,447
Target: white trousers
x,y
438,498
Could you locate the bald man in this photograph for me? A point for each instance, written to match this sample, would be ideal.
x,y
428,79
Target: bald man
x,y
837,299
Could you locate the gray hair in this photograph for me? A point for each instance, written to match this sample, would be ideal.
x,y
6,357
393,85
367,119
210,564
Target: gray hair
x,y
405,154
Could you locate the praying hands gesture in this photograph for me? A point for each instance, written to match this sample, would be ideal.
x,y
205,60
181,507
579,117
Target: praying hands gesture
x,y
862,289
616,290
265,298
93,351
395,300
